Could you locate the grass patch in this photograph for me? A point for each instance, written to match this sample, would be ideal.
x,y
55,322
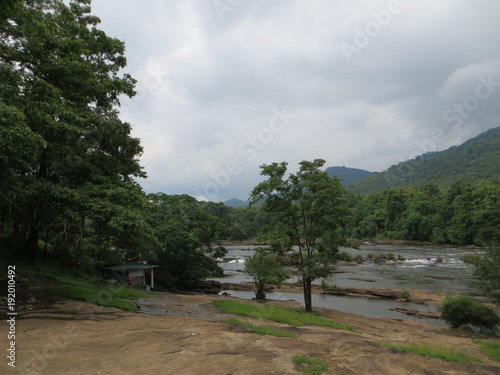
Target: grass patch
x,y
491,349
103,295
309,365
432,351
293,317
259,330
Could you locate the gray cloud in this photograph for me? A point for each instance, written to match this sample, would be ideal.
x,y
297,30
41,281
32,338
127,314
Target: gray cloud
x,y
213,74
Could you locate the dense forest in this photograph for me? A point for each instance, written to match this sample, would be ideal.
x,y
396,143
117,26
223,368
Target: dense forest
x,y
464,214
473,161
69,167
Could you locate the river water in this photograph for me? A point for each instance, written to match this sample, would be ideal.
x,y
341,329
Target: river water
x,y
415,267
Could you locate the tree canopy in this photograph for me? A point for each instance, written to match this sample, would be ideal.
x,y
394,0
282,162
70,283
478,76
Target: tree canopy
x,y
64,149
308,209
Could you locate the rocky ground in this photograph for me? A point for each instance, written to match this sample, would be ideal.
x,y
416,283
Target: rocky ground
x,y
184,334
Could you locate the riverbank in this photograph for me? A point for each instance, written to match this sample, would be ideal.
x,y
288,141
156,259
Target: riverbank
x,y
185,334
424,297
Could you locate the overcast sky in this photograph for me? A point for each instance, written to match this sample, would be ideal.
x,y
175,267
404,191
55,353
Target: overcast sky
x,y
227,85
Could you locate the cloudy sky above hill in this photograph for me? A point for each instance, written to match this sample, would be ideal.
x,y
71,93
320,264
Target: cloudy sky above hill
x,y
227,85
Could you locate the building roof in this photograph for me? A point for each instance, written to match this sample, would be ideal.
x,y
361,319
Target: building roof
x,y
127,267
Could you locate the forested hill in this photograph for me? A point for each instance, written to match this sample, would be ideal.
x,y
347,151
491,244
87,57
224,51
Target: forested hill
x,y
347,175
475,160
235,202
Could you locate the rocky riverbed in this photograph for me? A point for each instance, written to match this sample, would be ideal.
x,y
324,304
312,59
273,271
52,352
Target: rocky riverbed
x,y
185,335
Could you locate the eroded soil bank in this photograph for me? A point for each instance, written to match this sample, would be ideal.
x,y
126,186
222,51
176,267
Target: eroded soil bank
x,y
184,334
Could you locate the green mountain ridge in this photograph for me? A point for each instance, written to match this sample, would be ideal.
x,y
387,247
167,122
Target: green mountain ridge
x,y
475,160
347,175
235,202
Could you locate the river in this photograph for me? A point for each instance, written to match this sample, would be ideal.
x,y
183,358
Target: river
x,y
434,268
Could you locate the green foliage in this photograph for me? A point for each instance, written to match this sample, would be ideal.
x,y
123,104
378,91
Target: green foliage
x,y
405,295
471,258
293,317
265,269
308,209
311,366
487,273
462,214
76,289
63,148
432,351
475,160
463,311
259,330
186,234
347,175
490,348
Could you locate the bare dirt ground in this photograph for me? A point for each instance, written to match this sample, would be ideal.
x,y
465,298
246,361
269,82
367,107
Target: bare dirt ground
x,y
184,334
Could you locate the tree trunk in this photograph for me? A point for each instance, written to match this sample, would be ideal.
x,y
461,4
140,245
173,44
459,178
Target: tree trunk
x,y
307,286
260,293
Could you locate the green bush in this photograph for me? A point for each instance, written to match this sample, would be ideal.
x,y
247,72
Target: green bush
x,y
463,311
358,258
471,258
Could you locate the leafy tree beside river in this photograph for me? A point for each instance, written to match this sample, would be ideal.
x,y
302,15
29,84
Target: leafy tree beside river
x,y
308,208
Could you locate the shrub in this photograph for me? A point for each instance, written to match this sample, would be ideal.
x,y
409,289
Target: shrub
x,y
358,258
463,311
343,257
471,258
405,295
487,273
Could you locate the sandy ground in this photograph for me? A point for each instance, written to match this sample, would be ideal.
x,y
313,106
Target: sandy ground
x,y
184,334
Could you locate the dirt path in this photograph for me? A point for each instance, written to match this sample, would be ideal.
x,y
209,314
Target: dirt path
x,y
183,334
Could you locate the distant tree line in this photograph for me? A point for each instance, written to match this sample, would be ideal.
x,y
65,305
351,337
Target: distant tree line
x,y
463,214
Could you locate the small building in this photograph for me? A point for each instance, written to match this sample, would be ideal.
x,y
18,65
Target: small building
x,y
135,274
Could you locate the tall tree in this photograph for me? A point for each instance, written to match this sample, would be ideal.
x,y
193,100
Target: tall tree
x,y
189,240
59,122
308,209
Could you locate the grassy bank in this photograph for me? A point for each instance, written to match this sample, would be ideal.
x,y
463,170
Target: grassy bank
x,y
432,351
292,317
259,330
48,283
